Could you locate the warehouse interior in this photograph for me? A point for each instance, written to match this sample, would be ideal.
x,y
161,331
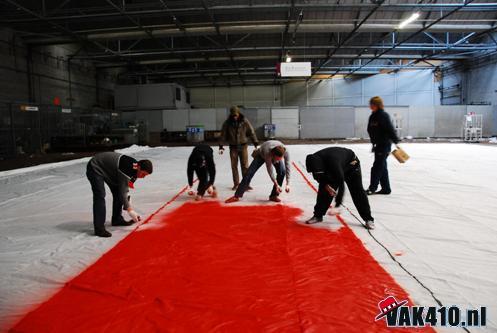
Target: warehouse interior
x,y
153,78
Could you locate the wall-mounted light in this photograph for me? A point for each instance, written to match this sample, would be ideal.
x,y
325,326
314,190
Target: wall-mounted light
x,y
409,20
288,58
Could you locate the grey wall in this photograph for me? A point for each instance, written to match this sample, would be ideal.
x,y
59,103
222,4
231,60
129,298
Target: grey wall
x,y
149,96
248,96
319,122
50,76
417,87
403,88
477,84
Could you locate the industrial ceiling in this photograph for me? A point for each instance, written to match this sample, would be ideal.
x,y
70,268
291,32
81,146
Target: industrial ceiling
x,y
213,42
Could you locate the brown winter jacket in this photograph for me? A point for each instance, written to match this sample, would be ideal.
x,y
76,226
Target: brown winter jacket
x,y
237,132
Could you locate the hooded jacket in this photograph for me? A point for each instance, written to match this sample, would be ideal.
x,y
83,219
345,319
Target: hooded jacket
x,y
237,132
381,131
329,166
201,157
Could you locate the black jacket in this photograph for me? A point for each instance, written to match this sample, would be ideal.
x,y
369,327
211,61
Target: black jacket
x,y
329,166
381,131
201,157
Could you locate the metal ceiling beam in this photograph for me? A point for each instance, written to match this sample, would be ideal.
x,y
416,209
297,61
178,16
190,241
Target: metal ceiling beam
x,y
441,18
349,35
241,29
218,33
135,10
271,57
66,31
261,70
404,47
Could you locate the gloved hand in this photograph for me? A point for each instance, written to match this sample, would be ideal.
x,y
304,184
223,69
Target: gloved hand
x,y
287,188
134,216
330,190
191,191
212,191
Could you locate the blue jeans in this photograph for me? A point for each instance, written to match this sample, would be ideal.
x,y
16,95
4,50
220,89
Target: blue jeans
x,y
379,172
254,166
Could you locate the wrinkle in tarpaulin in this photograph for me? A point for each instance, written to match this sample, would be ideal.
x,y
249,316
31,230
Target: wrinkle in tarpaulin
x,y
214,268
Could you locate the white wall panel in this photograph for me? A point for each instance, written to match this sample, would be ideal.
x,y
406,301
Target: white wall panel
x,y
294,93
221,116
205,117
379,85
448,120
421,121
286,121
348,88
327,122
175,120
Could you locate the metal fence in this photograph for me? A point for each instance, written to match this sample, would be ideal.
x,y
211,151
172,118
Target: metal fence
x,y
33,128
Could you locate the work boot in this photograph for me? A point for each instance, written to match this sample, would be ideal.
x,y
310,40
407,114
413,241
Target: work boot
x,y
370,225
369,192
234,188
314,219
232,199
102,233
274,198
122,222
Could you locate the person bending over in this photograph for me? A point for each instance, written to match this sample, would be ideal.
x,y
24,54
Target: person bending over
x,y
382,134
331,168
201,161
119,172
272,153
235,131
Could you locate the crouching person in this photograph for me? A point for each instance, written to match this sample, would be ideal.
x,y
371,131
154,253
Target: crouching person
x,y
331,167
119,172
201,161
272,153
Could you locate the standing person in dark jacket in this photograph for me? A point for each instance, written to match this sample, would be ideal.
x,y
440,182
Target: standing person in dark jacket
x,y
201,162
382,134
331,168
235,131
119,172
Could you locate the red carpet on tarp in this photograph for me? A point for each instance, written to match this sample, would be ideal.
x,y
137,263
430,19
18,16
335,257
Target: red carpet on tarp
x,y
212,268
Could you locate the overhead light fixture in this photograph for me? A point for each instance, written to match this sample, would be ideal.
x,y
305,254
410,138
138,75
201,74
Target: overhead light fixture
x,y
409,20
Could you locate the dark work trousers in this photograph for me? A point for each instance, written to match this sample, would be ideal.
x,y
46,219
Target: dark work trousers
x,y
238,152
353,179
379,172
252,169
203,180
98,188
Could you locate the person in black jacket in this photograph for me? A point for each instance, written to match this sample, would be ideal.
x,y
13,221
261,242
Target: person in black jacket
x,y
331,168
382,134
201,161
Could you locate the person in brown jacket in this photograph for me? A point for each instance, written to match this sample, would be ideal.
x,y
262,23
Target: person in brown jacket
x,y
235,131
